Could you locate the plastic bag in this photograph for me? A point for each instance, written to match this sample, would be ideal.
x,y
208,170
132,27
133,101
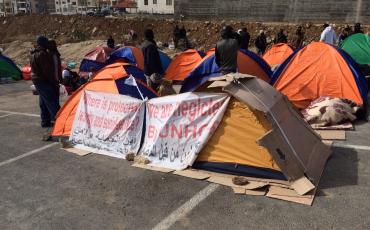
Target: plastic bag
x,y
63,93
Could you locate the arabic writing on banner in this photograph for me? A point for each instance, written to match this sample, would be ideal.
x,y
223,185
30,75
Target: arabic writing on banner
x,y
109,124
177,127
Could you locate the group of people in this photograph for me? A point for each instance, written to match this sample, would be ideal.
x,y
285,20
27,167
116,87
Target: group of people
x,y
47,73
329,35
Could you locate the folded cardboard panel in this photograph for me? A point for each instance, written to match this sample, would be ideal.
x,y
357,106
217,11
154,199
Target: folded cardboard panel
x,y
293,144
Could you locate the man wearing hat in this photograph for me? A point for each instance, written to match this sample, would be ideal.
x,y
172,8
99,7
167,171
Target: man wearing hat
x,y
46,83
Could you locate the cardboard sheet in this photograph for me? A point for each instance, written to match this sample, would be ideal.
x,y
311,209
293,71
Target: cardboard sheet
x,y
332,134
290,195
163,170
194,174
78,152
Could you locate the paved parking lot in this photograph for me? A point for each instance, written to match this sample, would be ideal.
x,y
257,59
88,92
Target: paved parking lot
x,y
44,187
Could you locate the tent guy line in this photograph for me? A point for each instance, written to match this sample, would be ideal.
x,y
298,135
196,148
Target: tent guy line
x,y
27,154
186,208
18,113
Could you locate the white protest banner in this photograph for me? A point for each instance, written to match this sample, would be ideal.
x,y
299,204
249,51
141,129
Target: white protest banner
x,y
109,124
177,127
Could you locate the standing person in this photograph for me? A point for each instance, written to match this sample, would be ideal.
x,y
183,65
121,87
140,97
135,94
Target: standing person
x,y
176,36
43,77
227,51
53,50
245,38
328,35
261,43
183,33
152,62
110,42
346,31
298,38
281,37
357,29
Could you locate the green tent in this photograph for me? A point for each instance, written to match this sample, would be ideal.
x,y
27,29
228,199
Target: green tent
x,y
9,70
358,46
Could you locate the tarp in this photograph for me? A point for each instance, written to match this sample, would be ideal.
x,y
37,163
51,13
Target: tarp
x,y
277,54
358,47
8,69
320,69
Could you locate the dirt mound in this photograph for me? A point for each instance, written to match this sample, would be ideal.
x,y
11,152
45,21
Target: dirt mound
x,y
67,29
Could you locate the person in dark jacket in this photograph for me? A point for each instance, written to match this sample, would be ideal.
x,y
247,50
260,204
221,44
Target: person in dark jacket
x,y
298,38
183,33
152,62
357,29
245,38
176,36
344,34
261,43
53,50
281,37
110,42
227,51
45,81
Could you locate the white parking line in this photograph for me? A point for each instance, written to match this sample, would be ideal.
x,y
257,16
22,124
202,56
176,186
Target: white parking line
x,y
6,115
186,208
18,113
27,154
357,147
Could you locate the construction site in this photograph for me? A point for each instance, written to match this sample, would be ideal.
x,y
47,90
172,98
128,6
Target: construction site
x,y
281,142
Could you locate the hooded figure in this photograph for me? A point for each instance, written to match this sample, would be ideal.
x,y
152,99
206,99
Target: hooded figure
x,y
227,51
152,62
45,81
53,50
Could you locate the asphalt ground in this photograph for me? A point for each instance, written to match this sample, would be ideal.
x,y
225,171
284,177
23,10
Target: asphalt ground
x,y
44,187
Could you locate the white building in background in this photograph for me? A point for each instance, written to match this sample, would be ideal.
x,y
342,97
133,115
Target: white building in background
x,y
68,7
156,6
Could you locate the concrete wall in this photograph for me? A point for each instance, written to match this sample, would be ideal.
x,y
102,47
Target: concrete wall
x,y
160,8
277,10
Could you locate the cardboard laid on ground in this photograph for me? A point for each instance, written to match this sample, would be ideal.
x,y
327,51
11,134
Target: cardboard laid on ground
x,y
345,126
78,152
177,127
109,124
332,134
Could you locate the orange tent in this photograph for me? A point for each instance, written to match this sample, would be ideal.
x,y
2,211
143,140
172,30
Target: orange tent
x,y
319,70
277,54
108,80
183,64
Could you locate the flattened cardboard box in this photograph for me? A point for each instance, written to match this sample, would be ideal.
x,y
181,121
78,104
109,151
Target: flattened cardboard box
x,y
295,147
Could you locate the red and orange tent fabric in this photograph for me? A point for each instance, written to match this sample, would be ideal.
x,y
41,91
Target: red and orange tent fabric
x,y
277,54
248,63
110,79
183,64
320,69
